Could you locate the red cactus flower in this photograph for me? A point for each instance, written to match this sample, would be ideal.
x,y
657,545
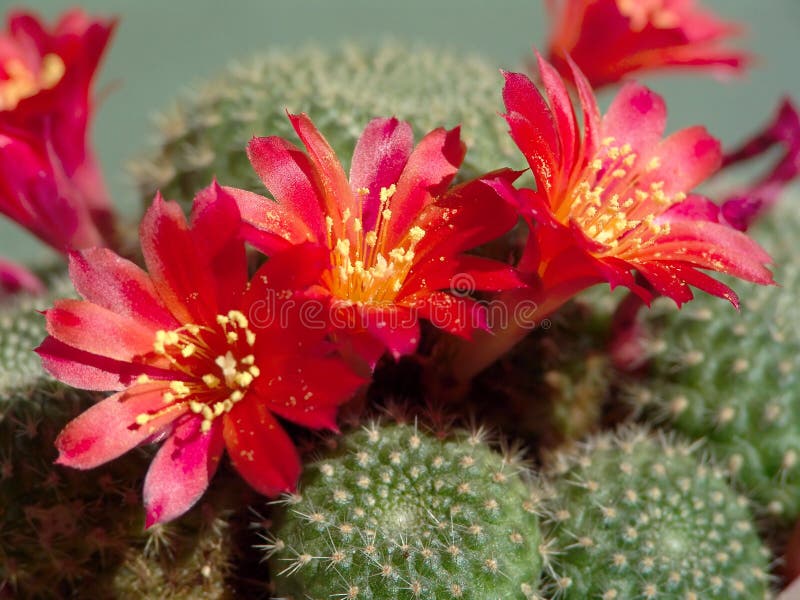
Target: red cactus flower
x,y
614,198
195,355
609,39
46,95
394,232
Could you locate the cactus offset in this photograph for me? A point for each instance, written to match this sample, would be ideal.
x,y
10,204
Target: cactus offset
x,y
205,135
733,378
638,516
395,513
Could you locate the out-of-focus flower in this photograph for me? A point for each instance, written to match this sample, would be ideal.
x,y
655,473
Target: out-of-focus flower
x,y
746,204
199,358
15,278
615,198
46,103
394,233
609,39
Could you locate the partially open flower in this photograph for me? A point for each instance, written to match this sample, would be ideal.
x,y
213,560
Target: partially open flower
x,y
198,357
394,232
617,197
609,39
46,106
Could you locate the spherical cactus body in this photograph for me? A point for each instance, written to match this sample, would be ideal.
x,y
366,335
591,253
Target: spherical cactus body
x,y
205,136
733,378
395,513
634,516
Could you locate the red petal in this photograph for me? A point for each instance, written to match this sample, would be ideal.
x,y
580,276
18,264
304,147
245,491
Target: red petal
x,y
270,226
459,316
290,177
430,169
175,265
216,230
395,327
308,391
688,157
97,330
458,220
260,449
533,129
337,195
563,112
181,470
637,116
378,160
107,280
90,371
108,429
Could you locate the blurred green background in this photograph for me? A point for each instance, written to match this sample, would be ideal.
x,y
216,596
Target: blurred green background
x,y
163,47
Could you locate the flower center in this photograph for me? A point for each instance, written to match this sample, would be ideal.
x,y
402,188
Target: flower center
x,y
217,364
364,270
613,206
17,82
649,12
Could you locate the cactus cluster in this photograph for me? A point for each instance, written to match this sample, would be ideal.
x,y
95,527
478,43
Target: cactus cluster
x,y
733,378
394,512
636,516
205,135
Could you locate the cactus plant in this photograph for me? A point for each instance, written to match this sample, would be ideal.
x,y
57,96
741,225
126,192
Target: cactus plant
x,y
205,134
637,516
733,378
395,513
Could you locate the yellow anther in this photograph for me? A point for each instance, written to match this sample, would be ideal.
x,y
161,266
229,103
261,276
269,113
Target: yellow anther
x,y
180,388
222,320
168,397
251,337
254,371
211,381
387,193
142,379
142,419
238,318
248,360
205,426
416,234
362,191
188,350
243,379
371,239
196,407
387,214
236,395
232,337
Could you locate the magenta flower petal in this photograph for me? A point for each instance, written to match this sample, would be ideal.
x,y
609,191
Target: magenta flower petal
x,y
109,428
181,470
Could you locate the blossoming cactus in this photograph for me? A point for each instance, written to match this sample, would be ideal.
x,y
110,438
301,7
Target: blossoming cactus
x,y
341,89
732,380
396,513
634,515
212,356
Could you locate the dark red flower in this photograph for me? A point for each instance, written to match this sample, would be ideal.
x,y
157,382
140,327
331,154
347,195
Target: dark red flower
x,y
609,39
614,198
46,106
743,206
15,278
394,232
199,358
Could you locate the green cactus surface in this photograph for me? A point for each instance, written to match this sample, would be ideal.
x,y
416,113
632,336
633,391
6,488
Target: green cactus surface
x,y
205,134
633,516
395,513
733,378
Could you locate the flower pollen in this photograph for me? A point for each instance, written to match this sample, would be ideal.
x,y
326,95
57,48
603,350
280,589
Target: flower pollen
x,y
217,363
364,270
611,204
18,82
